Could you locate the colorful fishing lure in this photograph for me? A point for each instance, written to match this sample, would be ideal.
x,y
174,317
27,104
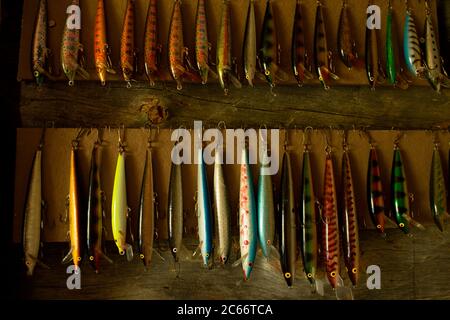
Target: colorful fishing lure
x,y
374,70
375,195
250,55
222,210
95,211
287,225
71,48
224,60
152,50
180,65
247,216
101,47
300,59
346,43
203,211
349,221
128,58
309,243
269,53
411,45
119,207
40,48
323,57
202,46
175,210
435,73
147,208
438,194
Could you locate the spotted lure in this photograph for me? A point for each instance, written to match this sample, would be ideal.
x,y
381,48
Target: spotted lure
x,y
202,46
101,48
346,41
152,50
128,58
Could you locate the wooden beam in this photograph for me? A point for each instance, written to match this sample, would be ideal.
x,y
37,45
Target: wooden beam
x,y
88,104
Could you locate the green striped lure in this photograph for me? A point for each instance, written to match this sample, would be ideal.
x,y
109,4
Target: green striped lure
x,y
438,194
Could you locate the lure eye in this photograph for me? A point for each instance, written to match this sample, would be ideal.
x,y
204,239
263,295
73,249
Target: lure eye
x,y
250,264
174,250
267,73
333,274
247,77
224,258
354,270
91,258
79,259
309,275
141,256
269,242
36,74
121,252
28,263
378,226
287,275
401,225
207,255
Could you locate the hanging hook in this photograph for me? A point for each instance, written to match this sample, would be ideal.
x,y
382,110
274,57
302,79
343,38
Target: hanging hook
x,y
121,132
286,139
41,141
307,138
365,133
328,138
222,125
344,140
76,141
397,139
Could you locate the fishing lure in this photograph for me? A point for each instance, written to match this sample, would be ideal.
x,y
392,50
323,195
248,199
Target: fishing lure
x,y
203,211
40,48
119,208
374,69
101,47
349,221
375,198
222,210
223,55
175,210
152,50
346,43
330,225
146,222
266,209
128,58
300,58
323,57
250,54
74,209
399,190
70,53
308,219
32,221
180,65
95,211
434,70
202,46
438,195
287,225
269,53
411,45
247,216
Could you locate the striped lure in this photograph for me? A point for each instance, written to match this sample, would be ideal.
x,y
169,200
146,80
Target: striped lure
x,y
247,216
222,210
70,53
224,60
204,210
349,222
330,227
300,59
411,45
202,46
399,192
287,225
308,220
101,47
127,45
119,206
438,195
375,195
346,43
152,49
323,57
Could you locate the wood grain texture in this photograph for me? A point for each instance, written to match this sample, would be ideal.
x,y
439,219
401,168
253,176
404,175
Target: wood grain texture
x,y
88,105
283,12
56,170
411,268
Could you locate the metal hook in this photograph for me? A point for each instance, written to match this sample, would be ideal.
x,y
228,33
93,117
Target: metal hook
x,y
344,140
397,139
328,138
221,125
307,137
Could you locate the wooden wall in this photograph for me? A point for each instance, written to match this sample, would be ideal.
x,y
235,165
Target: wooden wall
x,y
417,149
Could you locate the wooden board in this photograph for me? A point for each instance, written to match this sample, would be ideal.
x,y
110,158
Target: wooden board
x,y
411,268
88,105
283,12
416,145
